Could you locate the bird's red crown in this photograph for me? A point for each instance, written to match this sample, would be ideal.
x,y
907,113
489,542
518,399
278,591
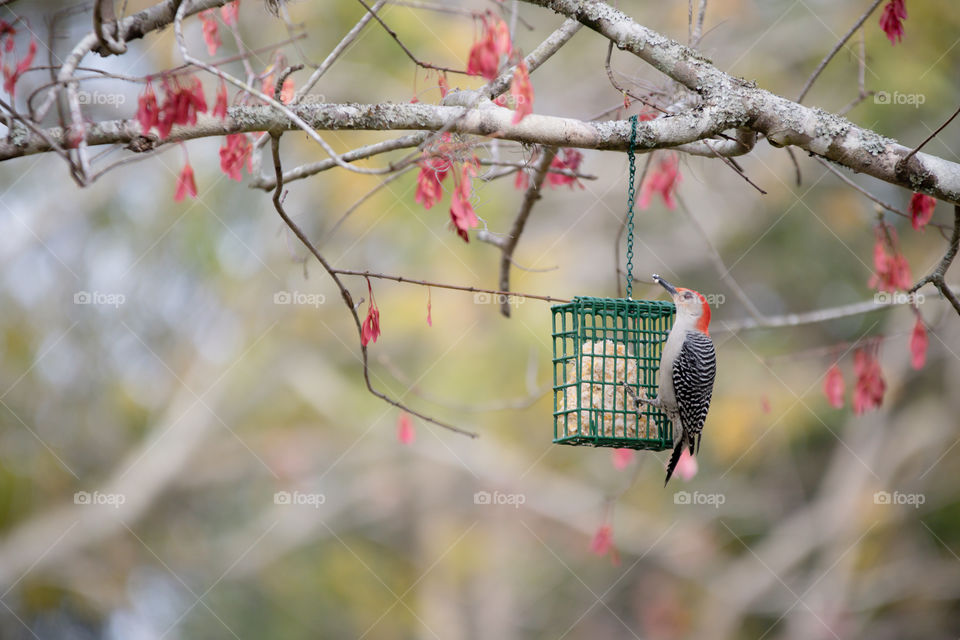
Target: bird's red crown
x,y
703,322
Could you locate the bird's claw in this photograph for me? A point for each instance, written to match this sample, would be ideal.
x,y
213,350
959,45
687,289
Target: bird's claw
x,y
640,398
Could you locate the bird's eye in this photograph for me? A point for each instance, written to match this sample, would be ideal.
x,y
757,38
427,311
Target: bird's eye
x,y
688,295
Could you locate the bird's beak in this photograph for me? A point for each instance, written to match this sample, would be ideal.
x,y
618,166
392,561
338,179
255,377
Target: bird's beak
x,y
672,290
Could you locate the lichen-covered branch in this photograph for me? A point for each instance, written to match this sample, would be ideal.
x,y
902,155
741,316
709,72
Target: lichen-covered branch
x,y
782,121
484,120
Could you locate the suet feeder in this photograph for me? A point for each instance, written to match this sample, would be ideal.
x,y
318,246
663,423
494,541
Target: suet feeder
x,y
606,352
601,346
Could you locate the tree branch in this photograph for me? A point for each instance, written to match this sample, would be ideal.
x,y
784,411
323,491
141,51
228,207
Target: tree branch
x,y
826,60
510,242
441,285
535,58
344,293
936,278
870,196
105,26
782,121
396,38
718,264
484,120
809,317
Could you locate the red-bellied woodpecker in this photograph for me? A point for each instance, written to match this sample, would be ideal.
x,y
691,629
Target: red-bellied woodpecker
x,y
688,366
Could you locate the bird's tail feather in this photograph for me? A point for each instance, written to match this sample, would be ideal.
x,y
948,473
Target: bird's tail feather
x,y
674,459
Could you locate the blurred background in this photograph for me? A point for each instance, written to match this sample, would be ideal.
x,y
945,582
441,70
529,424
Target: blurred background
x,y
182,455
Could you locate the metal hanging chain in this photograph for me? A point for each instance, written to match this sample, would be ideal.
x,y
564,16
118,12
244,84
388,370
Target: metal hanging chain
x,y
631,196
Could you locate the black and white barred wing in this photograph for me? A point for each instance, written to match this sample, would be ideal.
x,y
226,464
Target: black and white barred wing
x,y
693,376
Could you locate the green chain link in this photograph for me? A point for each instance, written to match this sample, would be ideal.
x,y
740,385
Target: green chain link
x,y
631,196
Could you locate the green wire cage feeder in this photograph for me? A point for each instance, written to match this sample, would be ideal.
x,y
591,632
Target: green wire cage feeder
x,y
601,346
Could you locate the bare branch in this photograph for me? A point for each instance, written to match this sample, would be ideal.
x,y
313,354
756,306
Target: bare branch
x,y
623,90
698,28
442,285
344,293
307,170
523,165
872,197
393,34
718,264
936,278
356,205
826,60
932,136
105,26
535,58
338,50
332,57
736,168
510,242
809,317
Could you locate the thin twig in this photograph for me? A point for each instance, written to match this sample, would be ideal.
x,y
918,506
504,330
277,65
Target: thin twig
x,y
796,165
697,35
721,268
856,101
273,102
130,159
936,278
338,50
869,195
529,199
931,136
441,285
862,93
836,48
344,293
307,170
523,165
733,165
346,214
393,34
809,317
623,90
